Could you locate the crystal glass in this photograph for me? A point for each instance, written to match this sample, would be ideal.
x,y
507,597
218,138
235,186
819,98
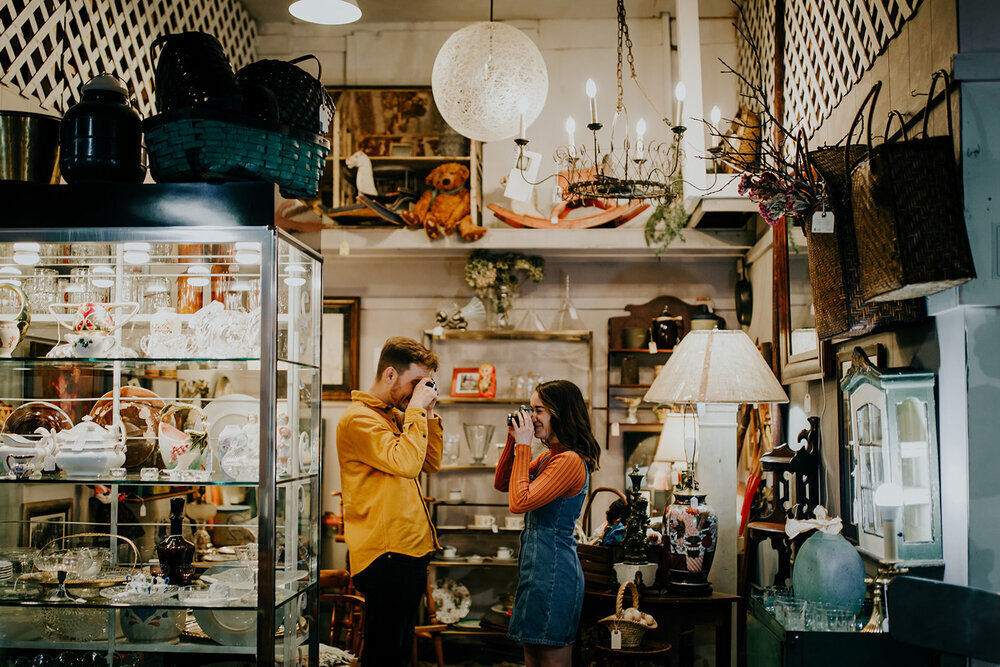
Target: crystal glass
x,y
155,295
567,318
790,613
531,321
451,449
478,437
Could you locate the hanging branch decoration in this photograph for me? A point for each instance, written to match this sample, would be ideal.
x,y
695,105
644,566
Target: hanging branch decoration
x,y
776,176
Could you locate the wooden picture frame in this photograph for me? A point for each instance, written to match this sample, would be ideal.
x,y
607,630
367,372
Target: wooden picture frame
x,y
44,521
341,352
465,383
876,353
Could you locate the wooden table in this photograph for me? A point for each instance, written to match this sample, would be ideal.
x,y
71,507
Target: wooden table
x,y
677,616
649,649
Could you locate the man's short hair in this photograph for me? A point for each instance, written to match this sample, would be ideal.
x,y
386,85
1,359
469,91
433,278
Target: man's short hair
x,y
400,351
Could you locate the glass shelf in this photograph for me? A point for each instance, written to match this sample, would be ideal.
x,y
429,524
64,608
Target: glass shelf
x,y
185,645
133,479
499,334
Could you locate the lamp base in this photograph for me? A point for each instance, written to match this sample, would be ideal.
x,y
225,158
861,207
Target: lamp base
x,y
644,572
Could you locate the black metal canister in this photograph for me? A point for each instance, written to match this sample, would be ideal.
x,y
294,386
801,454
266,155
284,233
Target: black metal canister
x,y
101,136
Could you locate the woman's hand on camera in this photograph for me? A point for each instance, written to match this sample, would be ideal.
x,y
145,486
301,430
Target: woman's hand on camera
x,y
523,428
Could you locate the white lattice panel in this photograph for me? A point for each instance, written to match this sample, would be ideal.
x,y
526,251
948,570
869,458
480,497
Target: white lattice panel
x,y
758,68
49,48
829,44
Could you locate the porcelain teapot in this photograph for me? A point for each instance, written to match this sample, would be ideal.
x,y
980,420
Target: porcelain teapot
x,y
89,448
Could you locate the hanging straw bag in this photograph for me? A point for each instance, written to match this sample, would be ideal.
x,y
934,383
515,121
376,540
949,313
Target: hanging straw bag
x,y
908,214
834,266
632,631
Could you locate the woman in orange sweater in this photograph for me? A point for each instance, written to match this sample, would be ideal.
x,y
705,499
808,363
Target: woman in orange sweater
x,y
550,491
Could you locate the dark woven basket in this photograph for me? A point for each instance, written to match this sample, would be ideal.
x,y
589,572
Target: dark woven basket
x,y
303,101
908,215
211,145
834,264
192,69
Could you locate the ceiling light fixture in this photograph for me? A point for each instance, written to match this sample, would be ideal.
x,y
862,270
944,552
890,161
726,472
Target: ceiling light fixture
x,y
489,81
326,12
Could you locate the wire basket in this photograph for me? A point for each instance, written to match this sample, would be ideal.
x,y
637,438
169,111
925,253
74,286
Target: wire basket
x,y
194,145
631,631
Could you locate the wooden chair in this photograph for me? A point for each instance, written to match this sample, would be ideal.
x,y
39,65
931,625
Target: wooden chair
x,y
347,622
431,631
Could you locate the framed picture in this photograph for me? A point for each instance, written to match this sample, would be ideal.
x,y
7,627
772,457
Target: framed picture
x,y
45,521
341,327
465,382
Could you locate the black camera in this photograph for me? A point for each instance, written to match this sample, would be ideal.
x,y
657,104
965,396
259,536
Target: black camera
x,y
432,384
510,415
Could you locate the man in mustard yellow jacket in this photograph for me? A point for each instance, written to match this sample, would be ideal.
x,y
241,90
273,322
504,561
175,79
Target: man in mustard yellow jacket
x,y
385,439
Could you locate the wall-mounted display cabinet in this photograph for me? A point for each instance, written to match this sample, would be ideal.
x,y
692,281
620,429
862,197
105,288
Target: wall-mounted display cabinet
x,y
173,351
893,439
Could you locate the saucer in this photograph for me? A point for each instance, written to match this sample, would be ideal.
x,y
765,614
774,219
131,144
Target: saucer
x,y
442,557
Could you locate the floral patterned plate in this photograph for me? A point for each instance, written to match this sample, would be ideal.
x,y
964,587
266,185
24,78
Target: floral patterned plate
x,y
452,600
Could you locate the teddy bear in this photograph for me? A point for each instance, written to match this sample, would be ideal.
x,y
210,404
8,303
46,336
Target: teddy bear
x,y
445,207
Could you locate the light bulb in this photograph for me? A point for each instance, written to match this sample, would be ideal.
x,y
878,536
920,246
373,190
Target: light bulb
x,y
716,115
27,247
570,126
26,258
680,91
199,281
295,281
296,277
591,89
102,276
640,129
10,271
326,12
136,252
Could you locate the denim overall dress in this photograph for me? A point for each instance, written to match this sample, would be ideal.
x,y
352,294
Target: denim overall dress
x,y
550,585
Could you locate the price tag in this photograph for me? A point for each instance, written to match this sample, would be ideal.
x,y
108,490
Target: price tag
x,y
694,502
616,430
616,639
345,248
822,222
652,347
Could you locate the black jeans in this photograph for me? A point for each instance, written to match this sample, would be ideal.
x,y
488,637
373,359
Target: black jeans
x,y
392,586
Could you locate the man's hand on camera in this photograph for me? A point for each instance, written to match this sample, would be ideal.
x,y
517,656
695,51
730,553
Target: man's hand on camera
x,y
424,395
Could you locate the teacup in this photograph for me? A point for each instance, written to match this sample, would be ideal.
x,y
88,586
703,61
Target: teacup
x,y
450,552
484,520
455,495
513,522
92,345
505,553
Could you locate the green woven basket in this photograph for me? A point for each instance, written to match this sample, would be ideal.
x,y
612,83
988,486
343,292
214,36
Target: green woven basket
x,y
215,146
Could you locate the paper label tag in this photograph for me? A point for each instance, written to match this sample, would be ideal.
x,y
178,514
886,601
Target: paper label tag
x,y
615,429
822,222
345,248
694,502
616,639
652,347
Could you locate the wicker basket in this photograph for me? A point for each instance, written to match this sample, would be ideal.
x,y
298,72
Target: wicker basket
x,y
632,631
834,265
303,101
216,146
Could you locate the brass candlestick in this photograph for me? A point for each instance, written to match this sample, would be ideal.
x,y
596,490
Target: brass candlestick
x,y
880,614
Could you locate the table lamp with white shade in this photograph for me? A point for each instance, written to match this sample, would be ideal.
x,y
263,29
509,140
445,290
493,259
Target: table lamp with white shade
x,y
716,370
669,459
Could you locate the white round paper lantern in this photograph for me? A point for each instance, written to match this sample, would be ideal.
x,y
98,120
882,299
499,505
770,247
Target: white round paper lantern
x,y
479,76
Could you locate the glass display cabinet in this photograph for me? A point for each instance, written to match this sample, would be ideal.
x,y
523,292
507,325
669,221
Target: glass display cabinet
x,y
893,426
159,355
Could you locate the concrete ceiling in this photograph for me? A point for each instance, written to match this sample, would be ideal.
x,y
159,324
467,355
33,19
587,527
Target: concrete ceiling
x,y
388,11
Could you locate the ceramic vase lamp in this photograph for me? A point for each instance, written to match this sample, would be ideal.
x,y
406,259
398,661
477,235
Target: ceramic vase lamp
x,y
715,370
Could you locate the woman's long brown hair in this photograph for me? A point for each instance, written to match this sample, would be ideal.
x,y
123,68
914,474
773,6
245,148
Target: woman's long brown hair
x,y
570,420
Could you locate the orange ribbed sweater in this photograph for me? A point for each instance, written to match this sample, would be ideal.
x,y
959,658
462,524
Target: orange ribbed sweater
x,y
562,477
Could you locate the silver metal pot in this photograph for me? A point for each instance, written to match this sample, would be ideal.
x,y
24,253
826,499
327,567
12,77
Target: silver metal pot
x,y
29,147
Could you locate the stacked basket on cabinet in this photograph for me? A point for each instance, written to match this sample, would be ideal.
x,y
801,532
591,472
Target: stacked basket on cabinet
x,y
268,121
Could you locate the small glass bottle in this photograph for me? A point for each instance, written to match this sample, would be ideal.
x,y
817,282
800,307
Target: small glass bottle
x,y
175,553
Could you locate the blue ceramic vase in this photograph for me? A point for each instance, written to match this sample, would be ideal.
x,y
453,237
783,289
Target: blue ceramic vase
x,y
829,569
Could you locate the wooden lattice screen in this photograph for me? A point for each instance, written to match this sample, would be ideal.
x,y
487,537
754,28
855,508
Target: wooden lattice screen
x,y
49,48
829,44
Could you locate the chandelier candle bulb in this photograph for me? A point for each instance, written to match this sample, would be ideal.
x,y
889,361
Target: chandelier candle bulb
x,y
640,130
680,92
570,130
716,115
522,108
592,94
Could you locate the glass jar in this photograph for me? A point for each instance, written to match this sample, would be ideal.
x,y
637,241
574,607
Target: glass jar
x,y
155,294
